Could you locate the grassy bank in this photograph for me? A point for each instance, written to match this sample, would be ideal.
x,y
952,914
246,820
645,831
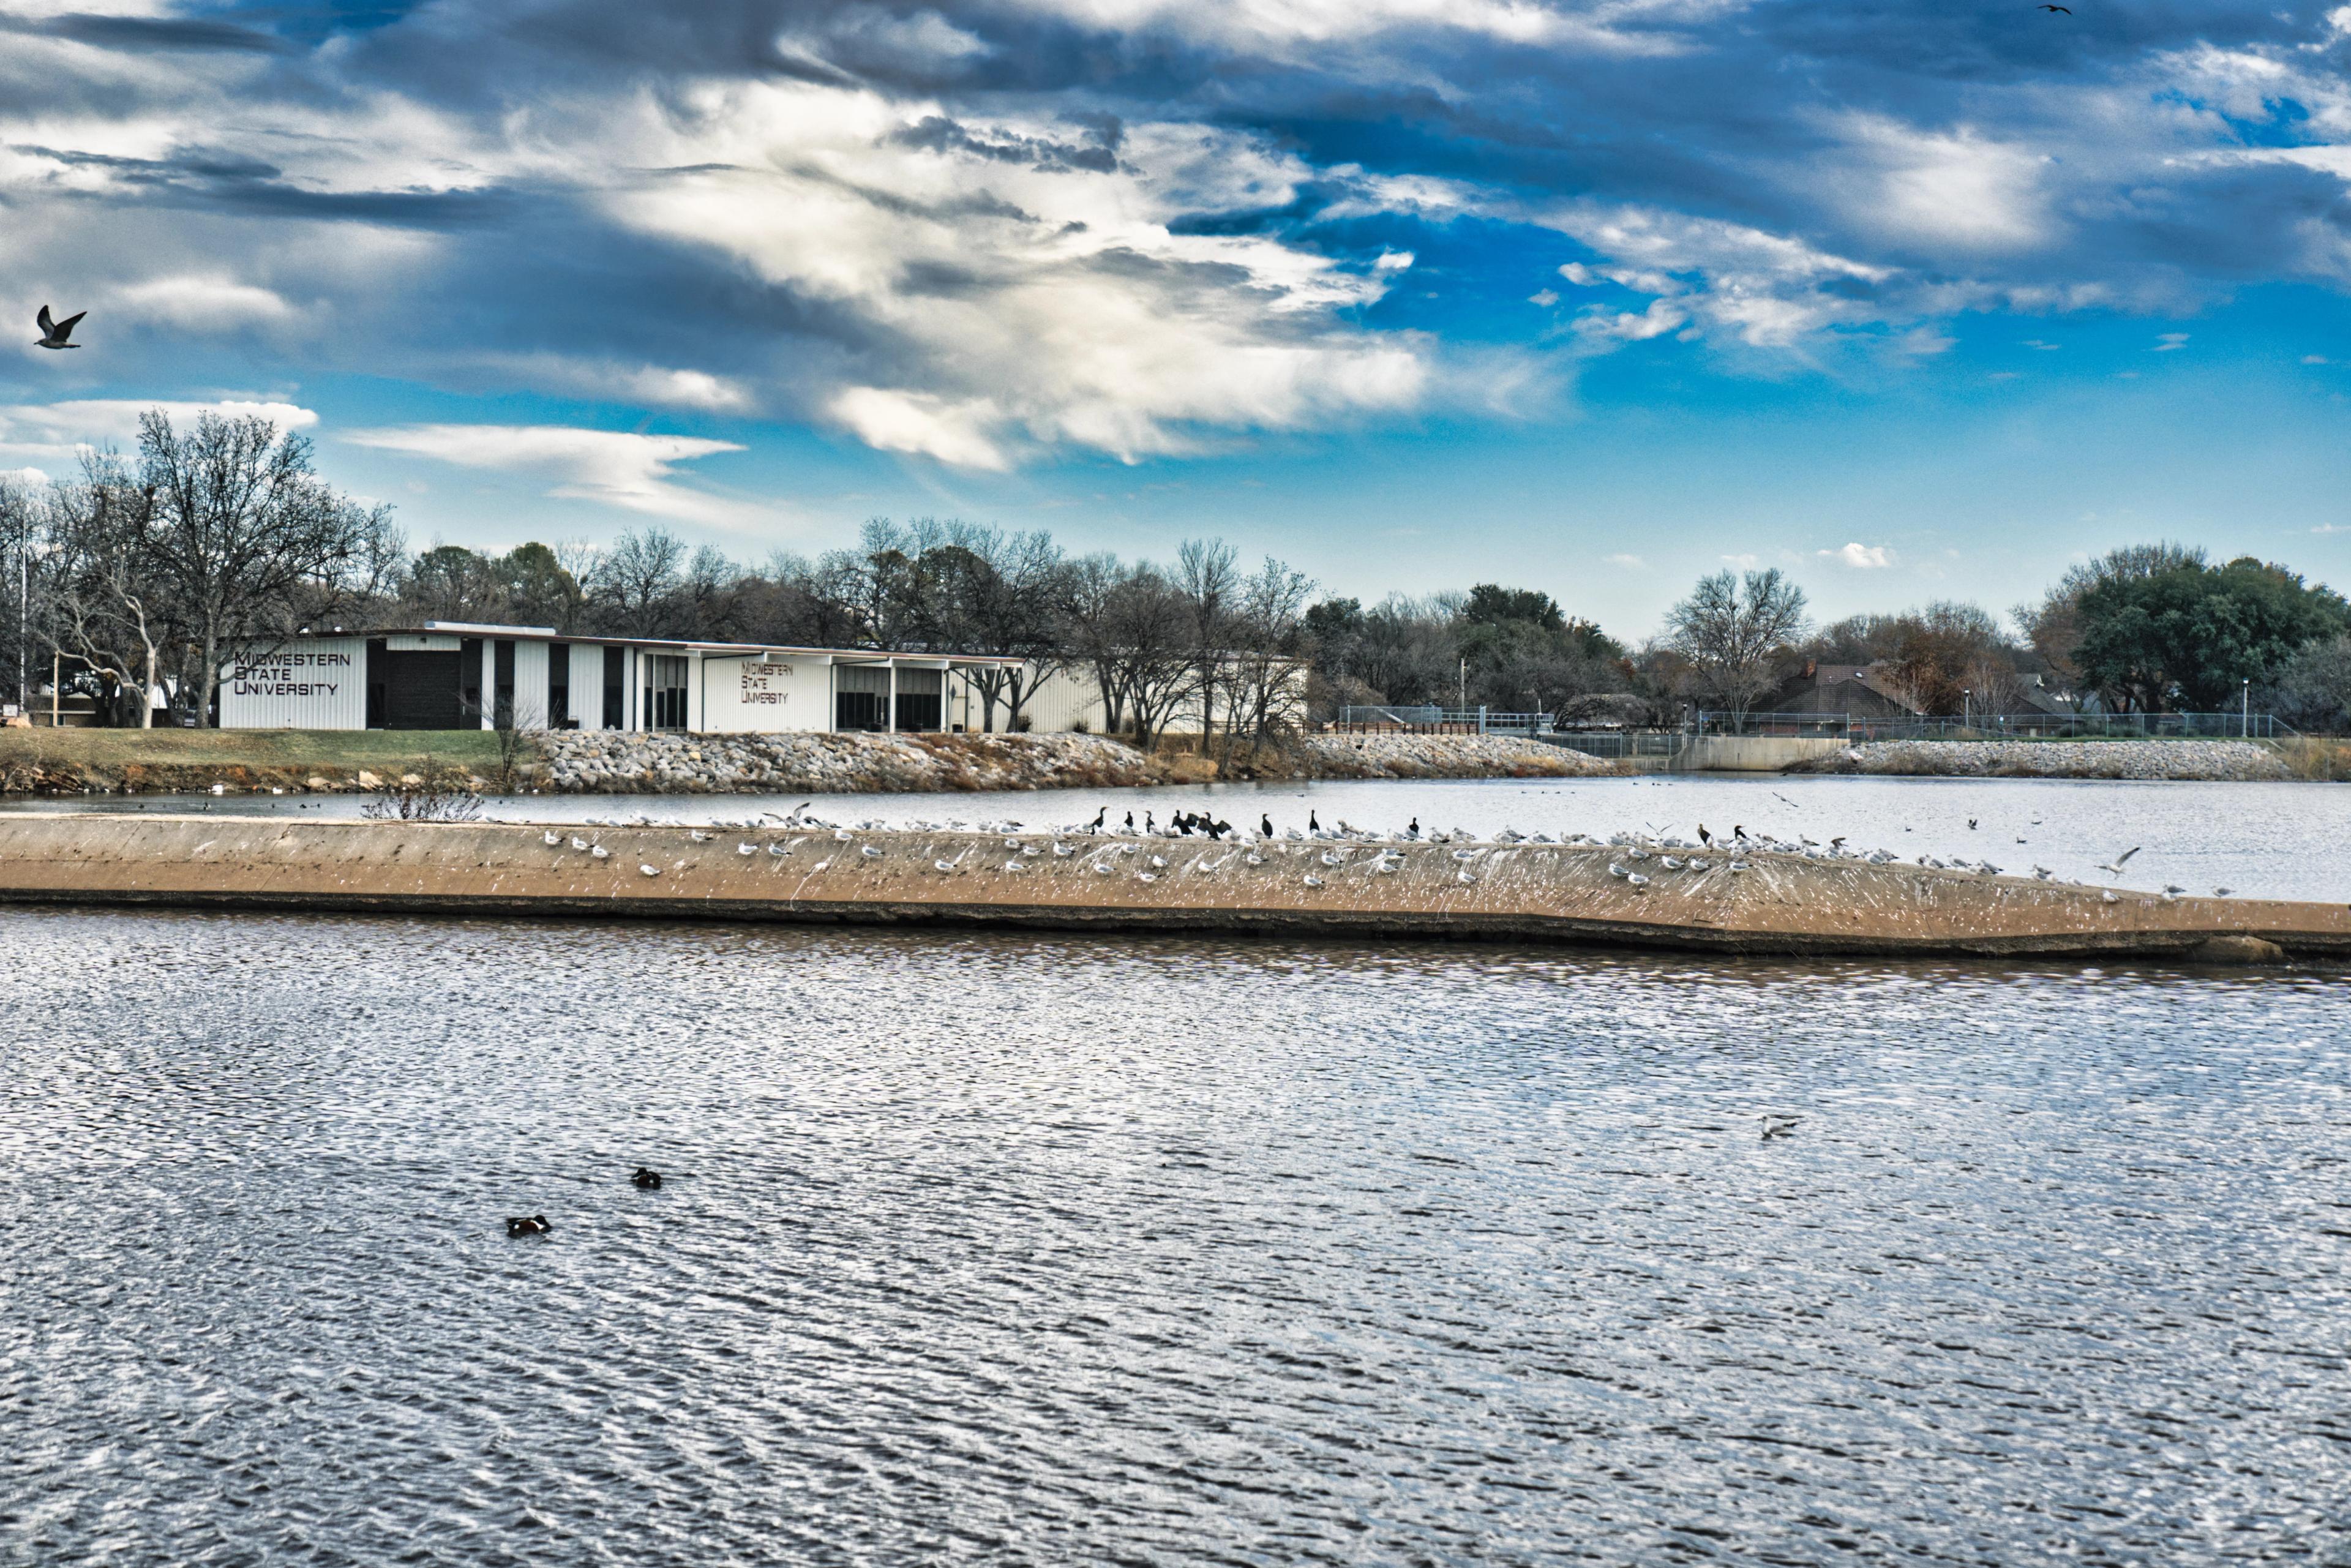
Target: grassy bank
x,y
50,761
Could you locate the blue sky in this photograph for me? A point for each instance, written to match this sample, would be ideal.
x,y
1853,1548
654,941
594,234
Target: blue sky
x,y
1593,295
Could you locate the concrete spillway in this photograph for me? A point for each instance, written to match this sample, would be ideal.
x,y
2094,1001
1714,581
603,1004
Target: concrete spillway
x,y
1520,893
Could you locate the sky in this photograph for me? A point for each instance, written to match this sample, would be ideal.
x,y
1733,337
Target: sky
x,y
1912,300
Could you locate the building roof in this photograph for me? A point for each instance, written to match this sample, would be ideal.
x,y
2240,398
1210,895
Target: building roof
x,y
675,644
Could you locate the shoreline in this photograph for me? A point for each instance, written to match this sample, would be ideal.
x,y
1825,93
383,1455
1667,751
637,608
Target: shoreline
x,y
1520,892
52,764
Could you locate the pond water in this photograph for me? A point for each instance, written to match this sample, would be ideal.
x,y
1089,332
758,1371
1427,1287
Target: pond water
x,y
1048,1249
2275,841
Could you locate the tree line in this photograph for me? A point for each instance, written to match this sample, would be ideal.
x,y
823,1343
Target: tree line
x,y
158,569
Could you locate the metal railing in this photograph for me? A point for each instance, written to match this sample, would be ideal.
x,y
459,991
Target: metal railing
x,y
1607,741
2239,726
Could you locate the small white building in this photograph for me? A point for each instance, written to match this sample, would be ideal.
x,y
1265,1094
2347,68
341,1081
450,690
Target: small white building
x,y
448,675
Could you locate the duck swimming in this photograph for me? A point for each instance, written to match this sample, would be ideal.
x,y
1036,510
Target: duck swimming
x,y
647,1179
533,1225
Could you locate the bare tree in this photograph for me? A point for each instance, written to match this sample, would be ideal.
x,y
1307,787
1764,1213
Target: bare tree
x,y
1088,633
1263,675
1151,649
638,577
1732,634
97,608
1007,593
243,540
1208,577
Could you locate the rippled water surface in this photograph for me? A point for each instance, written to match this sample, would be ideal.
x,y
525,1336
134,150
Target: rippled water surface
x,y
1052,1250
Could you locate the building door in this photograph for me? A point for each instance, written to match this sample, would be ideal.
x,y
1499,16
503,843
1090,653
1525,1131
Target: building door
x,y
665,678
616,688
411,690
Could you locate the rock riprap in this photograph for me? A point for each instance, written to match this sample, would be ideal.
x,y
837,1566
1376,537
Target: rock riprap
x,y
1442,756
592,762
2237,762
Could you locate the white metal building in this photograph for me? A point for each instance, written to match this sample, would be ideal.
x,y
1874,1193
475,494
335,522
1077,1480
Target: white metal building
x,y
451,674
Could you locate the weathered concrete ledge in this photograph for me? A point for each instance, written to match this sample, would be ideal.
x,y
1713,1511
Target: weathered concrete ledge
x,y
2227,761
1521,894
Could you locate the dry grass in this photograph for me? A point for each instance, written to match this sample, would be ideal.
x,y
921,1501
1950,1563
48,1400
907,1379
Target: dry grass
x,y
142,759
2317,759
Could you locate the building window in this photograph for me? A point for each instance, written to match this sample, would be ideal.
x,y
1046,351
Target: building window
x,y
616,686
665,678
559,686
860,697
502,666
922,700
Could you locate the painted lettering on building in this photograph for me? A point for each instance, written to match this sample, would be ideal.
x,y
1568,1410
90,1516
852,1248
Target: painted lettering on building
x,y
282,675
760,683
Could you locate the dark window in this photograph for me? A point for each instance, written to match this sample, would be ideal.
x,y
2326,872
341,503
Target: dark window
x,y
665,677
502,673
616,683
375,683
559,686
921,699
860,697
469,678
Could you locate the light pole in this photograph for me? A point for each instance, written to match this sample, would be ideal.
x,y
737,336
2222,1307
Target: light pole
x,y
2245,713
1967,709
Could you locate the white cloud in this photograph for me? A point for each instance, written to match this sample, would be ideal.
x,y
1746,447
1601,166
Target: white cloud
x,y
2316,360
1743,562
1025,303
1766,288
1952,189
1629,562
1544,297
616,468
57,431
911,422
2165,342
1300,29
203,304
661,386
1861,556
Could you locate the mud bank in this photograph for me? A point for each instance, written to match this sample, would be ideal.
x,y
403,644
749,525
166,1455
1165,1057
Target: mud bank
x,y
1517,894
2230,761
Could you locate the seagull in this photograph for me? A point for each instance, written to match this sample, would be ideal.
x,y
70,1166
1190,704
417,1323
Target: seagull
x,y
747,849
55,333
553,837
699,838
601,853
869,852
2223,892
650,870
2063,8
2118,866
1779,1128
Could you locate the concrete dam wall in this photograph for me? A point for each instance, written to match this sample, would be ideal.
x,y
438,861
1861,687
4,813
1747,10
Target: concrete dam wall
x,y
1521,893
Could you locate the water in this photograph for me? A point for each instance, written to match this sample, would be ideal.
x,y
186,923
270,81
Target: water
x,y
1043,1249
2273,840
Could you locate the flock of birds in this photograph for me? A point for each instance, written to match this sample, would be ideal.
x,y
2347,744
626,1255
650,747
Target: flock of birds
x,y
1641,855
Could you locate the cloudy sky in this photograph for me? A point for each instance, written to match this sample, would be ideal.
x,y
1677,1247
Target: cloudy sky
x,y
1915,300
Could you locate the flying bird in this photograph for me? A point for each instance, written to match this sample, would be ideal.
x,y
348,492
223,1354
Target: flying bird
x,y
2053,8
54,333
